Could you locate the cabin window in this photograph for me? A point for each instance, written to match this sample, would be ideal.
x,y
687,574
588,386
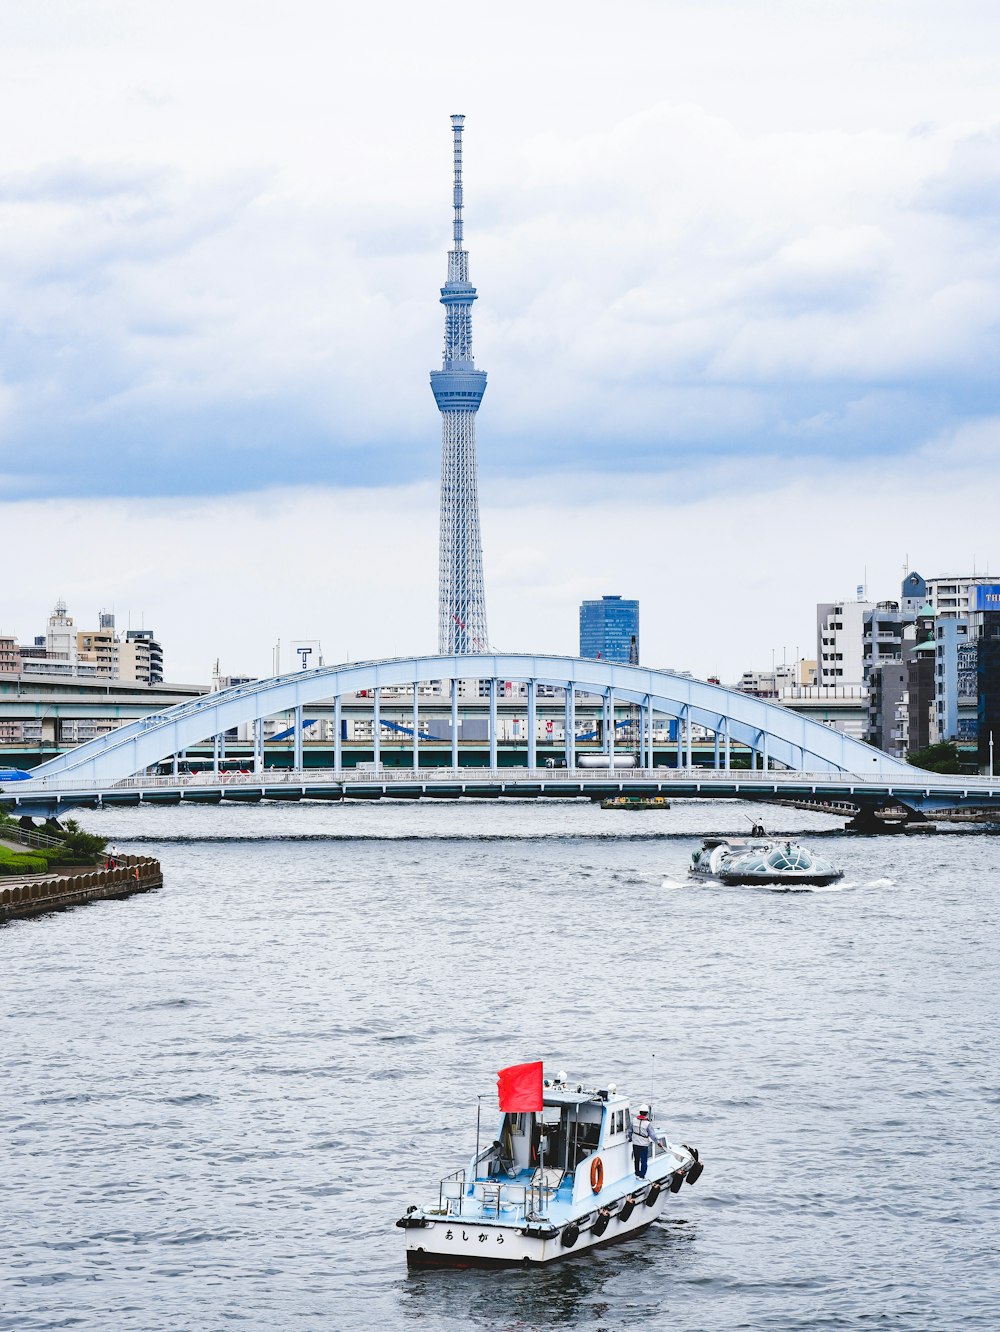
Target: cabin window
x,y
620,1122
516,1122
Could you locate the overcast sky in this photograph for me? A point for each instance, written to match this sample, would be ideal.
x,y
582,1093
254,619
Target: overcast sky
x,y
738,272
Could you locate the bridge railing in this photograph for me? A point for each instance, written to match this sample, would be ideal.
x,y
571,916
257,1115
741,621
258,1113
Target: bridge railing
x,y
370,775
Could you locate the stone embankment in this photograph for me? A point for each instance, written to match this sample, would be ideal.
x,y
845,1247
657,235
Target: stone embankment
x,y
35,893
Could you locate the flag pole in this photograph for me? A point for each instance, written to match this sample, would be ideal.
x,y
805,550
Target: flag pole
x,y
479,1111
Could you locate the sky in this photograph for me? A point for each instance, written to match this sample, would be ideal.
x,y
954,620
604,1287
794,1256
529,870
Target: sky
x,y
738,282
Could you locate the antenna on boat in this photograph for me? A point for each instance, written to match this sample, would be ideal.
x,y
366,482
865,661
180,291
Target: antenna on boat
x,y
652,1079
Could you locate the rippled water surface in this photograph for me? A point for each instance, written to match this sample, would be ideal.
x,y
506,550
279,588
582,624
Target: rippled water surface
x,y
217,1098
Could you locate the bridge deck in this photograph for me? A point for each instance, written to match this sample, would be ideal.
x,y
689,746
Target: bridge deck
x,y
930,792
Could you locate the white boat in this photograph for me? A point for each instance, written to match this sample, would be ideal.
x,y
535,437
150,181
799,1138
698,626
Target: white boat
x,y
762,862
552,1184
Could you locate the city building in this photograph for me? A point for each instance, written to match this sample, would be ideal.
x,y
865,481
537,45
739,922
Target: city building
x,y
140,657
888,705
609,629
99,647
60,635
767,684
840,632
984,627
10,657
458,389
921,660
956,596
888,634
951,636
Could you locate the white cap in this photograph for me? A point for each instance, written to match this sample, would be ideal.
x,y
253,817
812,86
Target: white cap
x,y
643,1109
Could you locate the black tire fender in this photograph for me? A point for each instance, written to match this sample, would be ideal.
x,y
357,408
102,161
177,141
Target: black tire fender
x,y
570,1235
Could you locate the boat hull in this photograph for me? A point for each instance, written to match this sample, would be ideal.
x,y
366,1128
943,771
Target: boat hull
x,y
780,880
448,1243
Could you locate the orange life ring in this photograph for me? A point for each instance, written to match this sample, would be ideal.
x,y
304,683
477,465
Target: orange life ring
x,y
597,1174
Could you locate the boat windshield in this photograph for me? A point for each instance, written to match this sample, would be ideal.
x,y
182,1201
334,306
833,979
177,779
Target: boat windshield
x,y
786,858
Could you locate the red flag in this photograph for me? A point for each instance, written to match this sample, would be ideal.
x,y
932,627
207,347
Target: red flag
x,y
520,1087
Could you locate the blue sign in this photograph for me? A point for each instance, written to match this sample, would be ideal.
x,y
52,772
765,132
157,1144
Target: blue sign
x,y
987,597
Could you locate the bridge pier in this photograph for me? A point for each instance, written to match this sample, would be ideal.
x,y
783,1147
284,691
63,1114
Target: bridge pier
x,y
867,820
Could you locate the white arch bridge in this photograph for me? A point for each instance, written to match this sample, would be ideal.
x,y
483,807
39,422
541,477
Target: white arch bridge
x,y
792,757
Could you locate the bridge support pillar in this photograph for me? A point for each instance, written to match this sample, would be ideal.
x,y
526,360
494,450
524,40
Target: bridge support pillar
x,y
493,724
377,727
416,726
338,743
729,749
647,733
716,756
609,713
532,726
570,725
688,731
679,762
297,760
215,753
454,723
258,745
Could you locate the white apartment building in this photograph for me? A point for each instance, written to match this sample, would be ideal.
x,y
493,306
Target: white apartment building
x,y
60,635
840,642
950,596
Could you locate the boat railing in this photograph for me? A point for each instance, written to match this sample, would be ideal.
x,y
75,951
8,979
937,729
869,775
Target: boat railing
x,y
450,1190
492,1197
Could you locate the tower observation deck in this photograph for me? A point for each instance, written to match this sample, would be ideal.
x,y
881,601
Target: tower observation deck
x,y
458,389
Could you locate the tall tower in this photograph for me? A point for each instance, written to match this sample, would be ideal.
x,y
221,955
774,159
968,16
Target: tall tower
x,y
458,389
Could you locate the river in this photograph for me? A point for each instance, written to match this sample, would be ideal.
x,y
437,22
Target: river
x,y
218,1097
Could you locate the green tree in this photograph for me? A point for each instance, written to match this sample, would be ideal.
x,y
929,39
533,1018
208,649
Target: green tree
x,y
942,757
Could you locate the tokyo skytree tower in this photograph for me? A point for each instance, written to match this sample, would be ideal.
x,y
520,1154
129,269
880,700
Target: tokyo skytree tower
x,y
458,389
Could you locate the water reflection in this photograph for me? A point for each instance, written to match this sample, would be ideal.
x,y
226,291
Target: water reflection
x,y
623,1282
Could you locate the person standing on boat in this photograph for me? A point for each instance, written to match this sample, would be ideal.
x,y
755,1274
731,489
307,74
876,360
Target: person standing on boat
x,y
642,1136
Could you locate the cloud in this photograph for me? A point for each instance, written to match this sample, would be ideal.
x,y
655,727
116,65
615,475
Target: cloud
x,y
727,571
703,233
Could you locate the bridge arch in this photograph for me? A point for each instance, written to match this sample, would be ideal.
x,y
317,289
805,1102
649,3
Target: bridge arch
x,y
779,734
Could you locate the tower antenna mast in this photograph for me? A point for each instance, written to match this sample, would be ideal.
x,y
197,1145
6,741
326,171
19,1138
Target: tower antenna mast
x,y
458,389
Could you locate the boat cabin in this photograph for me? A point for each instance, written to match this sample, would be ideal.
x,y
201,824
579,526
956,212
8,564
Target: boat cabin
x,y
556,1146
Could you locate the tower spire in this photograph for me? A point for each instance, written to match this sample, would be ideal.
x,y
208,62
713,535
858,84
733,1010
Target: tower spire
x,y
457,122
458,389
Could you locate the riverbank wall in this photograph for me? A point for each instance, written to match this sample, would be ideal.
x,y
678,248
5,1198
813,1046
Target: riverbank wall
x,y
33,894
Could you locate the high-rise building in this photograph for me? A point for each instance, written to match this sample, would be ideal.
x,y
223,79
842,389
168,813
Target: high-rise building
x,y
609,629
60,638
984,625
141,657
920,682
840,641
99,646
458,389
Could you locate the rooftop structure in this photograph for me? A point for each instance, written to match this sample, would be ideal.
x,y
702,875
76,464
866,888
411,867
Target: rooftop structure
x,y
458,389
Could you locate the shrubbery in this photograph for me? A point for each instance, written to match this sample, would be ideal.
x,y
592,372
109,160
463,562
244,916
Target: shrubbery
x,y
14,862
77,847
